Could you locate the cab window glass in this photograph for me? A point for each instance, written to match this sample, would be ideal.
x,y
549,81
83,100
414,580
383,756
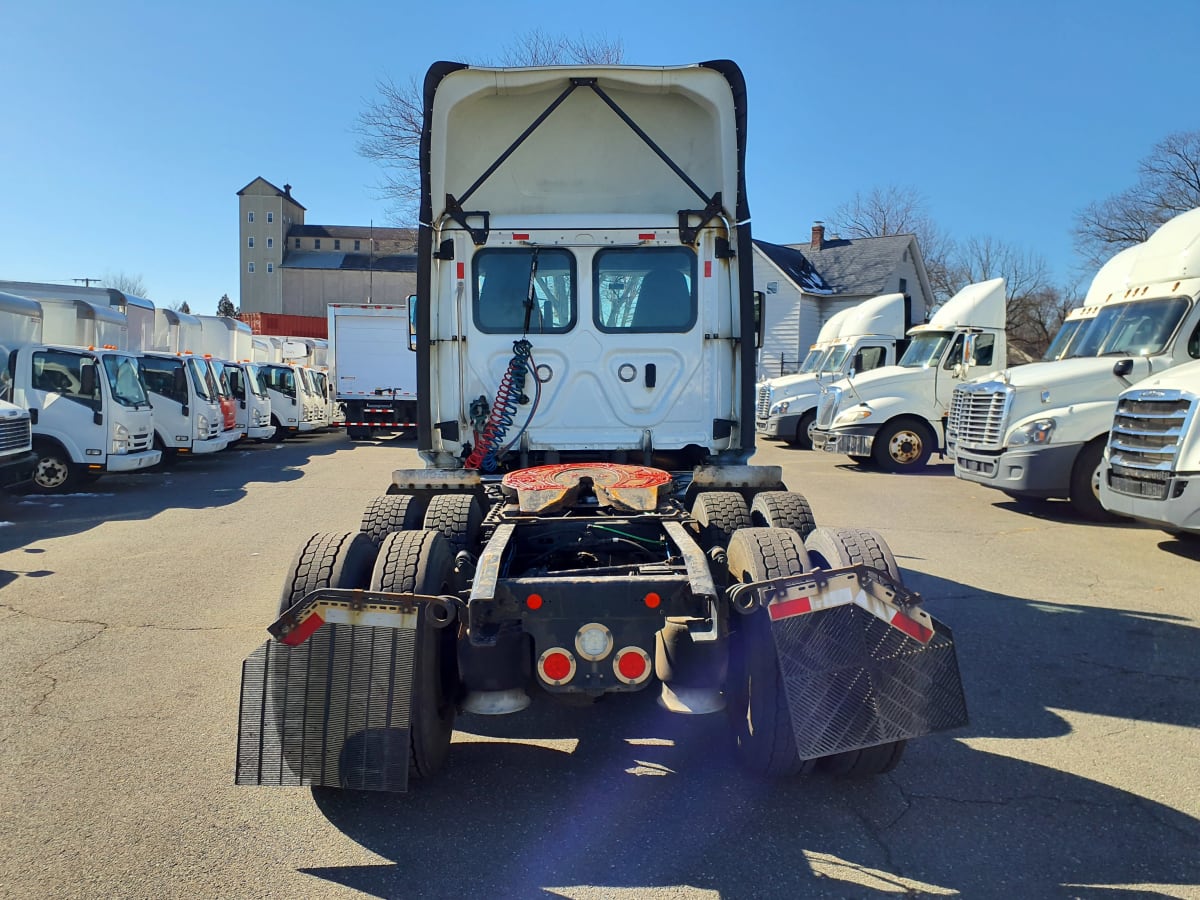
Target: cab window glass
x,y
645,289
985,348
60,372
871,358
501,286
955,354
161,378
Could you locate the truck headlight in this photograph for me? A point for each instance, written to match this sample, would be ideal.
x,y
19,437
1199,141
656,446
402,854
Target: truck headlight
x,y
850,416
201,427
120,440
779,408
1033,433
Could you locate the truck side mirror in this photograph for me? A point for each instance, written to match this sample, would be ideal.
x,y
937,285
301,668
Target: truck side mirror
x,y
87,379
412,321
1122,367
969,350
858,362
759,323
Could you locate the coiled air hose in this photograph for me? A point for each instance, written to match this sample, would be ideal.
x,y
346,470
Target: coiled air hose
x,y
500,419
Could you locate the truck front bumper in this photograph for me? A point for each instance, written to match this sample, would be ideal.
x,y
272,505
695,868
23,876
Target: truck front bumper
x,y
210,445
260,432
132,462
779,428
1170,500
855,441
1028,472
18,469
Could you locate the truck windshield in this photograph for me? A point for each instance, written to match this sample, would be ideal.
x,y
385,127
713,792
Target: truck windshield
x,y
124,380
1134,329
834,359
1062,345
201,379
925,349
813,360
254,382
218,372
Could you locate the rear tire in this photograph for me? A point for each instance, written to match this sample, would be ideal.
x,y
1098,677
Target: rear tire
x,y
834,548
385,515
421,562
756,701
1085,483
783,509
719,514
328,560
457,517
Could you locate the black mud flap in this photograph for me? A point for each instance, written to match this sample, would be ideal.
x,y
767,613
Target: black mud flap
x,y
332,711
860,662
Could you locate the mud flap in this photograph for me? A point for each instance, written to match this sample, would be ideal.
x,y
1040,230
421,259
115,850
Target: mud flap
x,y
860,662
334,709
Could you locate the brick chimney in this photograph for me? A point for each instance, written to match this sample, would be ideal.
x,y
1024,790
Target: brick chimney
x,y
818,235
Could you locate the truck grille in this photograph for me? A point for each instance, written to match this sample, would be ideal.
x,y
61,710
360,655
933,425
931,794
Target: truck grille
x,y
1144,441
140,442
827,407
764,402
14,434
977,415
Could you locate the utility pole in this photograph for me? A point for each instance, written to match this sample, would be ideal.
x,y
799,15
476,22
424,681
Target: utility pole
x,y
87,282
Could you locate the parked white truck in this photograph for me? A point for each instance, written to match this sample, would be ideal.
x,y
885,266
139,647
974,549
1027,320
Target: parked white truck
x,y
1151,468
1039,431
20,324
374,374
587,523
866,337
89,410
894,417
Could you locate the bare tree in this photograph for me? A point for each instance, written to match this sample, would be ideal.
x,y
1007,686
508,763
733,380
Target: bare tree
x,y
1034,307
126,284
389,127
1168,184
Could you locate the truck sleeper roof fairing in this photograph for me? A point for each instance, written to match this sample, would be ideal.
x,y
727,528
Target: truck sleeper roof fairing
x,y
518,147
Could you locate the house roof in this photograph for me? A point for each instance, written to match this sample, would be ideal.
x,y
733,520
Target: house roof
x,y
303,259
795,266
354,231
858,266
287,195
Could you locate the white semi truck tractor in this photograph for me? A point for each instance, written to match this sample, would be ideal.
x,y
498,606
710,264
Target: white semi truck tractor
x,y
894,417
588,523
1151,468
867,337
1039,431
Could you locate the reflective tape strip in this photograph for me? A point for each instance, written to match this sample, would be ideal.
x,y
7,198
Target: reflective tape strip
x,y
304,630
800,600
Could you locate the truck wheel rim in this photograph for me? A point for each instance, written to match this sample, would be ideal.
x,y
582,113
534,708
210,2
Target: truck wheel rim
x,y
905,446
50,472
1096,483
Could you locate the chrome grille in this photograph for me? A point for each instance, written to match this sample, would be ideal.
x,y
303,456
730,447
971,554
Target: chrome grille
x,y
1145,438
977,415
827,407
14,434
764,401
140,442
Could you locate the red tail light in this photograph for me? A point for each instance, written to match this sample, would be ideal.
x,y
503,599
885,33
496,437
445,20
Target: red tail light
x,y
632,665
556,666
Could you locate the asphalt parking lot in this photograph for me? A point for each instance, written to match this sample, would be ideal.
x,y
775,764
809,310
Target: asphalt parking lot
x,y
125,613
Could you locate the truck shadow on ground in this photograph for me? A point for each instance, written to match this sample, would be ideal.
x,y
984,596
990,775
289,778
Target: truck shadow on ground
x,y
200,482
645,799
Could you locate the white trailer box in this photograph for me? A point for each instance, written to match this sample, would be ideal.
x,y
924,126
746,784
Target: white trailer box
x,y
81,323
176,332
225,338
374,372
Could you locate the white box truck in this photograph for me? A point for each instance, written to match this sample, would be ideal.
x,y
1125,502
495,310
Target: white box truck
x,y
1039,431
865,337
90,412
894,417
1151,468
20,324
374,374
587,524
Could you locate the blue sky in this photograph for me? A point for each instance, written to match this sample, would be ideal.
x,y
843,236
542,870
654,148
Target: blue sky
x,y
129,128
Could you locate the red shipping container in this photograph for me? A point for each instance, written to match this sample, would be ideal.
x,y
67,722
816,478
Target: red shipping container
x,y
287,326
